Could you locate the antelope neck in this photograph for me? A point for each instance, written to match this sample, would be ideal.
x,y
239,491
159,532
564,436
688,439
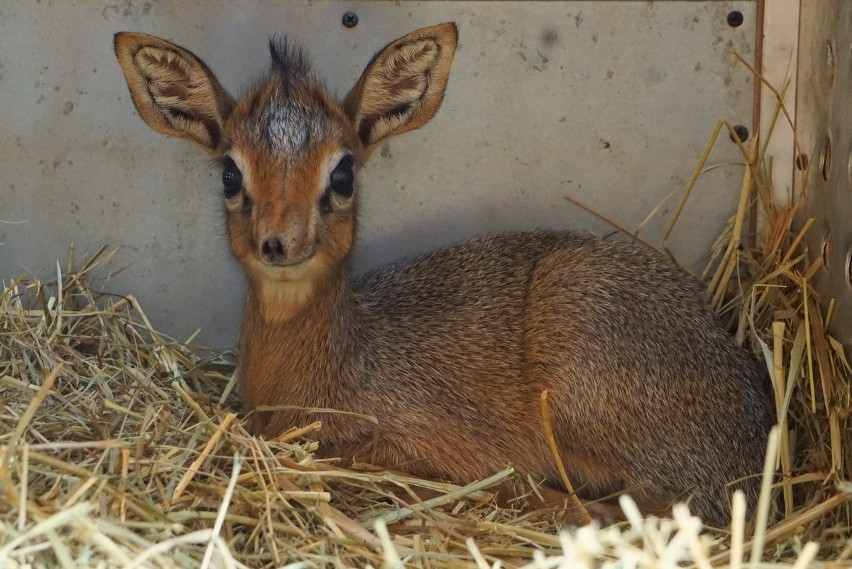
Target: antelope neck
x,y
311,303
304,360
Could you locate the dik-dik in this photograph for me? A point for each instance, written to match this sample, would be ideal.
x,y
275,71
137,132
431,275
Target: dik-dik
x,y
438,363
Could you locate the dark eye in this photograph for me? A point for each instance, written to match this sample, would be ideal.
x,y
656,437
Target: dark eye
x,y
232,178
342,177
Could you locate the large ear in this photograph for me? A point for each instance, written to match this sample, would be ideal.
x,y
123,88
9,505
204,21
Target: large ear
x,y
173,90
403,86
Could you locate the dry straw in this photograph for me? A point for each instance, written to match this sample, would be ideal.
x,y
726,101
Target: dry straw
x,y
119,447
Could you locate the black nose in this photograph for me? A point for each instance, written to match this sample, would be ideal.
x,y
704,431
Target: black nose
x,y
272,250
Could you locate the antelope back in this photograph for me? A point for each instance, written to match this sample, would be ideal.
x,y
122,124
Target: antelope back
x,y
289,149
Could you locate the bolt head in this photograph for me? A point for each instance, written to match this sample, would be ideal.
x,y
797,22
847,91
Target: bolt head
x,y
350,20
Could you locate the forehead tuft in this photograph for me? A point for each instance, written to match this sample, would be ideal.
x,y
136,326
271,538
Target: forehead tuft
x,y
289,110
288,60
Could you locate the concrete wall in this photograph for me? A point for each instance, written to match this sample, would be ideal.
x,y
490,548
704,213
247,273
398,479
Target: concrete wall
x,y
610,102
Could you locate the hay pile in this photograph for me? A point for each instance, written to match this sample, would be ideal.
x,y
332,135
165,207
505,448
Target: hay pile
x,y
120,447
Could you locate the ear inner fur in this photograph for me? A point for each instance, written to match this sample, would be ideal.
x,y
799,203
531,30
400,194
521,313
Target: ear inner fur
x,y
172,89
403,86
390,100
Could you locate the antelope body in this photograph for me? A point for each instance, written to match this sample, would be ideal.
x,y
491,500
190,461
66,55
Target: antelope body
x,y
450,351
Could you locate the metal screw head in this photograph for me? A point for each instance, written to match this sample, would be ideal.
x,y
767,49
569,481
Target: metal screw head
x,y
350,20
735,19
741,131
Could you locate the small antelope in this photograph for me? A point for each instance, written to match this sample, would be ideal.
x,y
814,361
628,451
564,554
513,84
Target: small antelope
x,y
450,352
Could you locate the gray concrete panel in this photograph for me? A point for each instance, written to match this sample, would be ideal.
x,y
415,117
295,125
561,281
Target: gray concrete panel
x,y
610,102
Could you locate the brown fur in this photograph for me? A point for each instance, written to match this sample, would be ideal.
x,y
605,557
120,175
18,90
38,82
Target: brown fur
x,y
438,362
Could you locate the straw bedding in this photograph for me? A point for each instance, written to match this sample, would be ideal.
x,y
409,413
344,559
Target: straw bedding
x,y
120,447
